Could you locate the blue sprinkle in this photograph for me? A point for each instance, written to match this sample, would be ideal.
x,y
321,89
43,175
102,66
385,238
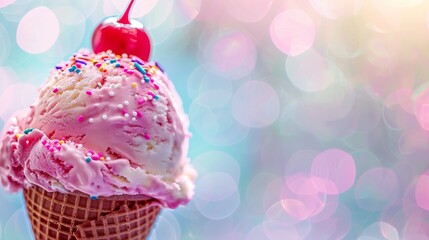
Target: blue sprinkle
x,y
139,68
88,159
58,67
93,197
156,97
117,65
146,78
28,130
112,60
78,70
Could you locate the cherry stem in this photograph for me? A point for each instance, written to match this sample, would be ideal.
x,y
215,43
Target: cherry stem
x,y
125,18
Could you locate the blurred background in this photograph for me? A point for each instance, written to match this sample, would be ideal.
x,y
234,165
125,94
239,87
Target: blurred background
x,y
310,118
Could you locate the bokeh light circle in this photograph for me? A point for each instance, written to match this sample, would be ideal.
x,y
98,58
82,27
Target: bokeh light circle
x,y
255,104
4,3
167,227
335,171
5,44
22,95
376,189
334,9
380,230
248,10
310,71
278,223
217,126
422,192
215,186
217,161
140,8
184,11
216,210
303,202
38,30
18,226
292,32
233,55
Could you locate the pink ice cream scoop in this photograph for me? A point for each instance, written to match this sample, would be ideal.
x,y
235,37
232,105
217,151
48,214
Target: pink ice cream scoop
x,y
103,125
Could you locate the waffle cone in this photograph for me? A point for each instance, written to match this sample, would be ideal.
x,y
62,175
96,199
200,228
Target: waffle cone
x,y
76,216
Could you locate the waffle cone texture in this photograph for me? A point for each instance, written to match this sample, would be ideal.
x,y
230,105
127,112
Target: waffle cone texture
x,y
75,216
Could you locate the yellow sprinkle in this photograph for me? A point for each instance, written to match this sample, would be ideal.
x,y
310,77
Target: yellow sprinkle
x,y
102,158
104,64
134,84
18,136
61,142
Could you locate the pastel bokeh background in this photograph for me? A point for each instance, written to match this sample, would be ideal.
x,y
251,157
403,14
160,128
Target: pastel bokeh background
x,y
310,118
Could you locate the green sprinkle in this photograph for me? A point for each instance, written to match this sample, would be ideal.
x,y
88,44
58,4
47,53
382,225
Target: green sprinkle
x,y
88,159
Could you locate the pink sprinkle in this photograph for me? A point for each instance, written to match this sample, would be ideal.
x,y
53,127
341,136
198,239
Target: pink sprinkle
x,y
56,141
151,80
148,74
147,136
156,86
90,151
51,149
124,111
139,114
55,90
44,142
141,101
89,93
80,118
95,157
98,65
58,147
100,154
151,93
78,65
47,145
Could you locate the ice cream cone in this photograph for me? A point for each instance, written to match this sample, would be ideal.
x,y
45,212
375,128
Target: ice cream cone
x,y
75,216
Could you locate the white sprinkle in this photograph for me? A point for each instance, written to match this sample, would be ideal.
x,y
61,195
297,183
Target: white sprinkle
x,y
126,103
99,84
104,116
111,93
108,158
91,120
134,119
126,115
142,81
145,98
88,154
120,106
124,77
134,113
155,117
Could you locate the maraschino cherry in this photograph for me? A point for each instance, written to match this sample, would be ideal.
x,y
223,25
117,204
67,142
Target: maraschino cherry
x,y
122,36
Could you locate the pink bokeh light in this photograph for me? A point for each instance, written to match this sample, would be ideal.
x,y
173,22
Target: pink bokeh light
x,y
334,170
422,192
38,30
292,32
